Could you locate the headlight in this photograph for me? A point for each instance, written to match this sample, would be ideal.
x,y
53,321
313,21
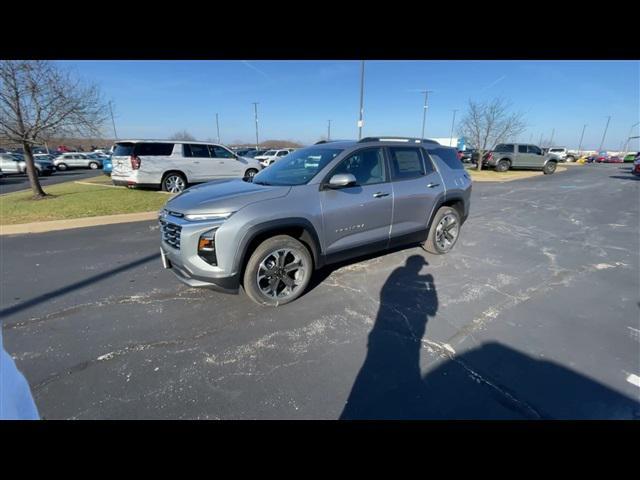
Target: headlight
x,y
207,247
196,217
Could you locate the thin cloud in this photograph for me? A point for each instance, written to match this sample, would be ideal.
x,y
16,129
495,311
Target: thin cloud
x,y
253,67
494,83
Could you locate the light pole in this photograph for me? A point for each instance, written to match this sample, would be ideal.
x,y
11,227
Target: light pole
x,y
604,134
581,137
424,111
540,142
218,127
629,136
115,134
255,108
360,121
553,132
328,130
452,124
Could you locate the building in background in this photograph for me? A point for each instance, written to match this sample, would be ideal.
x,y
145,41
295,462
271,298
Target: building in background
x,y
457,142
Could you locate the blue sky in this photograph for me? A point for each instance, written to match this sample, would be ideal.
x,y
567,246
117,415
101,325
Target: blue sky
x,y
154,99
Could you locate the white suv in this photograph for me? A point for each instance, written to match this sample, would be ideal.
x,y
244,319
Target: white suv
x,y
271,156
173,165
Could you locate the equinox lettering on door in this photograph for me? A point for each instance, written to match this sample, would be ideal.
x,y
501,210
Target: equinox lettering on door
x,y
351,228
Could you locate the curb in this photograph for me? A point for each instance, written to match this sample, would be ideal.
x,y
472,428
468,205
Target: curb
x,y
54,225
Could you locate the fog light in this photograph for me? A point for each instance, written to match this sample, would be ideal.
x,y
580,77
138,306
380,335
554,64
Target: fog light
x,y
207,247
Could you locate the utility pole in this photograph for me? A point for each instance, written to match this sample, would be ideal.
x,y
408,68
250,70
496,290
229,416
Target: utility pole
x,y
581,137
605,133
629,137
329,130
452,124
115,134
531,138
553,132
540,142
218,127
361,122
255,108
424,111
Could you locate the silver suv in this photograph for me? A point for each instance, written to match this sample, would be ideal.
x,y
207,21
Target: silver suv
x,y
318,205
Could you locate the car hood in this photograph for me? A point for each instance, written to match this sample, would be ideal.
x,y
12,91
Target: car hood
x,y
222,196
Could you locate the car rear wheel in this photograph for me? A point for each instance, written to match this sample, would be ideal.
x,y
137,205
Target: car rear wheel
x,y
278,271
93,166
502,166
444,231
174,183
549,168
570,159
62,166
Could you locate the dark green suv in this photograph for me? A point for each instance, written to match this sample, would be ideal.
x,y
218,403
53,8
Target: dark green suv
x,y
520,156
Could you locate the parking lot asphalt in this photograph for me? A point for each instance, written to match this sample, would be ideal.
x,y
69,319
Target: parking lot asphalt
x,y
534,314
14,183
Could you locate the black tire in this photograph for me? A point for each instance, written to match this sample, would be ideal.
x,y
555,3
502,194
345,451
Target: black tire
x,y
265,257
549,168
93,166
434,243
503,166
570,159
250,173
62,167
174,178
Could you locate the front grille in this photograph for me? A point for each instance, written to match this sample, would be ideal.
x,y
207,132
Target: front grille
x,y
171,233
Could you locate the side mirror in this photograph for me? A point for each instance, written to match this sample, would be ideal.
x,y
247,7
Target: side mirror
x,y
342,180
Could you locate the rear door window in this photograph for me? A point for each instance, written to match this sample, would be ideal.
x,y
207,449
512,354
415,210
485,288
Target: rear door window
x,y
504,148
406,163
522,149
196,151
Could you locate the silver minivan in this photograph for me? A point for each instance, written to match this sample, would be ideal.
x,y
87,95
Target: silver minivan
x,y
172,164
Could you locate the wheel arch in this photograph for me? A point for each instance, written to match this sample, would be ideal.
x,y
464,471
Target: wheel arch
x,y
173,170
299,228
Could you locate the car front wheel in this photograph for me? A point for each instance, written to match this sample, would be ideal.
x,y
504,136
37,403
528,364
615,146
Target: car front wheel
x,y
93,166
444,231
62,166
250,173
278,271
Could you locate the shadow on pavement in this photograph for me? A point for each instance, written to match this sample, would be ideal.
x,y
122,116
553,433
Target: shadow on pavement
x,y
74,286
492,381
626,177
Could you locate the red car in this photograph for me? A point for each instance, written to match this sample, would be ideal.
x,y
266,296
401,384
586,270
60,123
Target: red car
x,y
614,159
636,167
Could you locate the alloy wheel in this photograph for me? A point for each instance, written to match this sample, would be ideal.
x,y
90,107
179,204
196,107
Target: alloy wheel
x,y
446,232
281,273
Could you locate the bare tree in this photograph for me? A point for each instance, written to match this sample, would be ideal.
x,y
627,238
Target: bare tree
x,y
182,135
39,100
486,124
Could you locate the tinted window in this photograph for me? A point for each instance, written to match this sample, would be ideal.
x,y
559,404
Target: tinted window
x,y
522,149
148,149
448,156
504,148
555,150
219,152
366,165
283,153
534,149
406,163
197,151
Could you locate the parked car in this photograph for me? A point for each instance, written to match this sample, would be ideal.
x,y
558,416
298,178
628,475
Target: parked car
x,y
563,154
14,163
243,151
271,156
254,153
173,165
300,214
466,155
636,166
107,166
520,156
612,159
631,157
77,160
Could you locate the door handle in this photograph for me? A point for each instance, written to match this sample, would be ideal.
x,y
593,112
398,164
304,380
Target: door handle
x,y
380,194
431,185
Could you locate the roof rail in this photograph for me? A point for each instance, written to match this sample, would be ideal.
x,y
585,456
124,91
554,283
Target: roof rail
x,y
330,141
398,139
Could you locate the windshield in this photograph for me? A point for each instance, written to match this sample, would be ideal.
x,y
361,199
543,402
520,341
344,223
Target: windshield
x,y
297,168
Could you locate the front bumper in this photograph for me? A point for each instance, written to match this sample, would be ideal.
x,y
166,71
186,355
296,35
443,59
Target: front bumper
x,y
183,260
